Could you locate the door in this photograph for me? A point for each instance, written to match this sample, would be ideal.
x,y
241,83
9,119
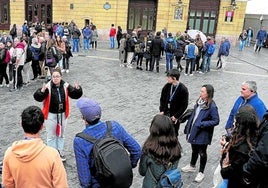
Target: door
x,y
203,16
38,11
142,13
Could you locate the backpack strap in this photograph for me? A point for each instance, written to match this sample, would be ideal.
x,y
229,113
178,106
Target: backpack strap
x,y
92,139
109,128
86,137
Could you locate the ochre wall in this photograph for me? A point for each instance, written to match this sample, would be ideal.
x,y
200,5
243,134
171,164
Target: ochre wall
x,y
165,16
233,29
17,13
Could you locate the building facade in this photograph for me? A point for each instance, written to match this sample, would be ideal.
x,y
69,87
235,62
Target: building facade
x,y
216,18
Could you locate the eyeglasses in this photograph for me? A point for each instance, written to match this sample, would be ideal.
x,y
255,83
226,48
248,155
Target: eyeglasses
x,y
56,76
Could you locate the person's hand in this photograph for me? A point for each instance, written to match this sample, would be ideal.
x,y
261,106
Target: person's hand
x,y
76,85
174,119
43,88
225,162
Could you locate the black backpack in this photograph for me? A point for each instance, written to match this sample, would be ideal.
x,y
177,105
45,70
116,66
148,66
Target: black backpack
x,y
49,58
171,46
112,162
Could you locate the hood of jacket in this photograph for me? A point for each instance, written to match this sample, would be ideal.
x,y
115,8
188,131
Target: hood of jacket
x,y
27,150
20,45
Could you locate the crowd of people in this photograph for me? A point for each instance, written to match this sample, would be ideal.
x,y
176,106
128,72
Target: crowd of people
x,y
135,47
40,48
244,158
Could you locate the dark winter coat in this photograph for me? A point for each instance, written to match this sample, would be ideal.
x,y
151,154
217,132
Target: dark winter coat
x,y
238,156
256,169
179,102
179,51
157,46
201,130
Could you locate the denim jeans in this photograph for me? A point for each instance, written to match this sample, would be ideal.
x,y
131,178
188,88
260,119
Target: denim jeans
x,y
111,42
53,140
86,43
169,61
190,62
248,41
242,44
206,63
75,45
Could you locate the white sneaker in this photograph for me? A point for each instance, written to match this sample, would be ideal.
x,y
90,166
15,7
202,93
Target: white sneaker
x,y
188,168
130,66
67,71
200,176
7,85
1,85
63,70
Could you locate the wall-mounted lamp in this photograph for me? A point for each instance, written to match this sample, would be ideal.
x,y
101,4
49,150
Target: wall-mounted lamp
x,y
180,3
71,6
233,4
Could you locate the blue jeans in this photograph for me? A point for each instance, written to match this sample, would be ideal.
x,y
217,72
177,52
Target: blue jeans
x,y
248,41
86,43
111,42
75,45
169,61
190,62
53,140
206,63
242,44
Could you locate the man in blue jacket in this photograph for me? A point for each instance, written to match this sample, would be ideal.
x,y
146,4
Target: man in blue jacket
x,y
91,114
260,39
248,96
170,45
223,52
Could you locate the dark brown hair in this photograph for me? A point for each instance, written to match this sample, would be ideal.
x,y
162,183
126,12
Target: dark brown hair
x,y
162,144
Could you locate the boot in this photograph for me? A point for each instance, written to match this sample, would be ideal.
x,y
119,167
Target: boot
x,y
157,69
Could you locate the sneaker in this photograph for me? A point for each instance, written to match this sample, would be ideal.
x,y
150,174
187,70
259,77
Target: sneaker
x,y
7,85
200,176
130,66
188,168
185,74
67,71
12,89
63,70
191,74
1,85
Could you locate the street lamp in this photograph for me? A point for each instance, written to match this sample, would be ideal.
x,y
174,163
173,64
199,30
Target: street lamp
x,y
261,20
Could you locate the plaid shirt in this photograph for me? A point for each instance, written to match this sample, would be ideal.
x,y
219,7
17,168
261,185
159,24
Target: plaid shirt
x,y
82,150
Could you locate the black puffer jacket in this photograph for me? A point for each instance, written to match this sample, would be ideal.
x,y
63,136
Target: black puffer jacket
x,y
256,169
157,45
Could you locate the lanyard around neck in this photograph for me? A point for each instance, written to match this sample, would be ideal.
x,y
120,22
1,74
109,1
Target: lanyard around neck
x,y
171,95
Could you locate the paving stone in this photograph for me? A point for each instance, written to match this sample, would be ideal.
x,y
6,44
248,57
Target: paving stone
x,y
131,97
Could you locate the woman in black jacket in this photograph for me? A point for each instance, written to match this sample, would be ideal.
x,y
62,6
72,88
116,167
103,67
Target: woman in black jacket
x,y
241,144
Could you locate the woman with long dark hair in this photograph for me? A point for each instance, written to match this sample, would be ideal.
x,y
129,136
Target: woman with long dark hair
x,y
161,150
199,129
242,142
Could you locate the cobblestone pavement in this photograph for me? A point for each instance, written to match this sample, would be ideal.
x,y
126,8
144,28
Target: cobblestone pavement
x,y
131,97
